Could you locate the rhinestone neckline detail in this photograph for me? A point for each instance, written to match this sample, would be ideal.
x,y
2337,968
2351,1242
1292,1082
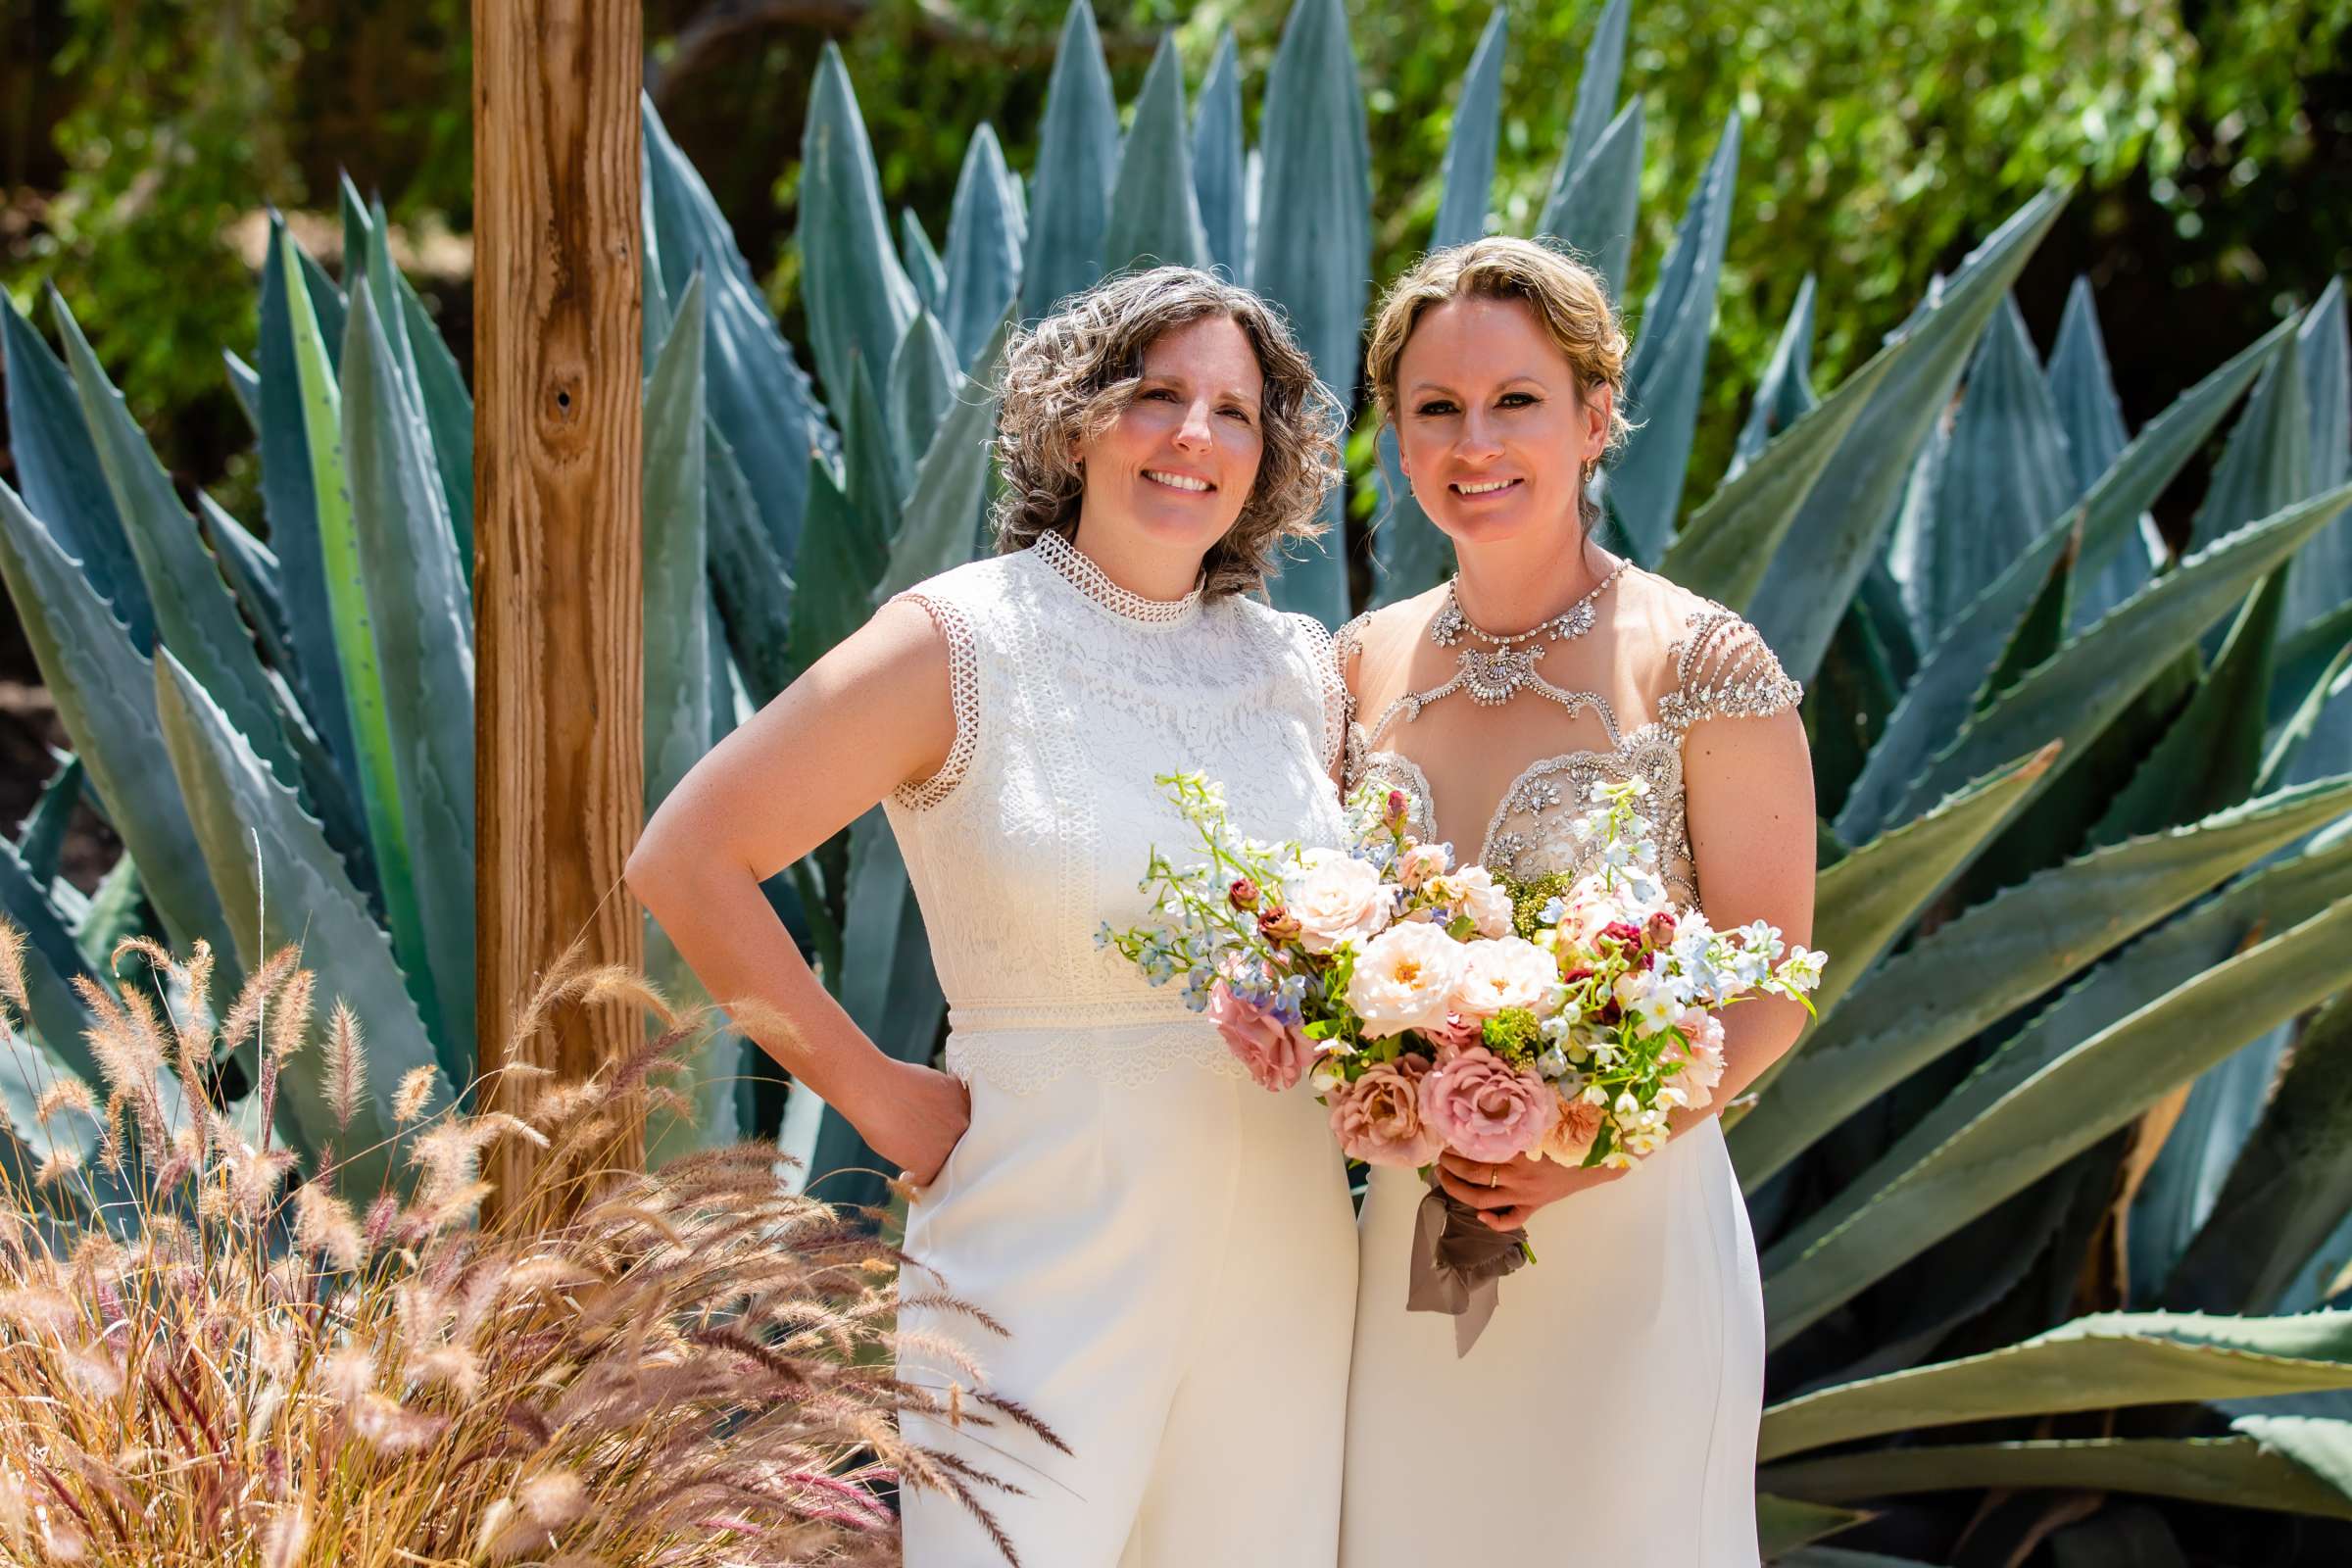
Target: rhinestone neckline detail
x,y
1080,572
1574,622
1494,675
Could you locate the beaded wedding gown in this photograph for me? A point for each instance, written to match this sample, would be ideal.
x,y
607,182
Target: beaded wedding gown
x,y
1167,1246
1609,1411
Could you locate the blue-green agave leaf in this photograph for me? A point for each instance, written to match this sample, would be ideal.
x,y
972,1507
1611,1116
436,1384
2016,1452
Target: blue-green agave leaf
x,y
64,483
2102,1361
2083,1067
859,300
751,580
1670,361
43,835
2212,755
920,258
1873,892
1785,393
252,573
1996,958
2233,1472
1596,213
421,619
193,609
1154,211
1467,176
2319,708
1077,163
355,660
2267,464
50,963
759,396
290,506
1218,180
941,514
1836,537
1408,553
1724,550
2084,390
1598,84
681,698
985,236
677,597
245,385
2289,1187
1952,681
923,375
2095,677
2006,478
105,696
447,418
1312,254
295,890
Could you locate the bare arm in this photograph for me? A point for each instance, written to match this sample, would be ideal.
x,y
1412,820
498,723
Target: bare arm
x,y
1747,788
871,714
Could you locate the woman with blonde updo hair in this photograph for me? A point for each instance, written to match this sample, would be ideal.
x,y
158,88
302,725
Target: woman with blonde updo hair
x,y
1630,1361
1144,1251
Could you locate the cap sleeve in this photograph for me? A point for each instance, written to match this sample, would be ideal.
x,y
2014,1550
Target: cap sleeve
x,y
963,695
1723,669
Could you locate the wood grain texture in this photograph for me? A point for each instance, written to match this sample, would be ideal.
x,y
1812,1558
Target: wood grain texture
x,y
557,581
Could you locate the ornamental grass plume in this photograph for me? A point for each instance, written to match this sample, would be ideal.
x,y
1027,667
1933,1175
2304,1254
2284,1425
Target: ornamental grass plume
x,y
207,1355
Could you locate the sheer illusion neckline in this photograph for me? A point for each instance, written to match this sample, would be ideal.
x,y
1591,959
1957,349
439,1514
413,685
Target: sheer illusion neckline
x,y
1075,567
1531,776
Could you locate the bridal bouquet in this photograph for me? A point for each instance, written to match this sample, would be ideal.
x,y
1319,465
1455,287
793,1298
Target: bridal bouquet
x,y
1436,1007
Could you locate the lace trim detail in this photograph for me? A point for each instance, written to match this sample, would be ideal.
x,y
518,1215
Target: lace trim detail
x,y
1347,646
1022,1062
963,695
1722,669
1336,707
1081,573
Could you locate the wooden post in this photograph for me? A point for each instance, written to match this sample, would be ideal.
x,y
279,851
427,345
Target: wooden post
x,y
557,459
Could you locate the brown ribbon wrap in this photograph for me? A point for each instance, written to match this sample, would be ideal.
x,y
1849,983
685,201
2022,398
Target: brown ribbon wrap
x,y
1458,1262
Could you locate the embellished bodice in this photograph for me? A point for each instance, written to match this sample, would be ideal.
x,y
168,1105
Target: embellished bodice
x,y
1070,695
1717,665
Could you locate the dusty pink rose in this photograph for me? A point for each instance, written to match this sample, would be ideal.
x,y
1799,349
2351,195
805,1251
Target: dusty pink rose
x,y
1378,1119
1571,1137
1486,1110
1455,1035
1338,899
1275,1053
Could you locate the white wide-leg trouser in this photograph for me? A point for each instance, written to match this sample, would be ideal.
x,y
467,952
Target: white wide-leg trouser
x,y
1175,1262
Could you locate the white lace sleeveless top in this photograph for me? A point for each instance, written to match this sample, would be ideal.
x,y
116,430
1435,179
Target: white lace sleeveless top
x,y
1070,695
1721,669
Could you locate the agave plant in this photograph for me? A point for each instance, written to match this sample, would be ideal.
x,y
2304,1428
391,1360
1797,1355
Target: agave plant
x,y
2086,834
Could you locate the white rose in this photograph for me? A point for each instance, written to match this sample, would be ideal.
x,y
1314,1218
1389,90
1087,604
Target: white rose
x,y
1339,900
1508,972
1471,891
1405,979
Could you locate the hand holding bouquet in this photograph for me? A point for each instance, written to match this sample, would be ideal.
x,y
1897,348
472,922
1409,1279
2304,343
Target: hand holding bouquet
x,y
1435,1007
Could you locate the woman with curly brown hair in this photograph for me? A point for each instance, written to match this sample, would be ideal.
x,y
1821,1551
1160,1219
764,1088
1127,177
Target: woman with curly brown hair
x,y
1167,1248
1629,1364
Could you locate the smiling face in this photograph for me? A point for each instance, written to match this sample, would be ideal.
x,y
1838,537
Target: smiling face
x,y
1491,424
1175,468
